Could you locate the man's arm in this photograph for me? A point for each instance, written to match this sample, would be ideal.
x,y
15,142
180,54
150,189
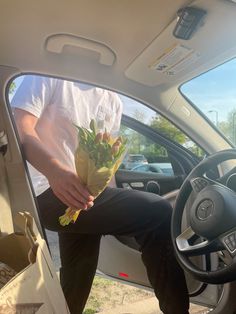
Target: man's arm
x,y
65,184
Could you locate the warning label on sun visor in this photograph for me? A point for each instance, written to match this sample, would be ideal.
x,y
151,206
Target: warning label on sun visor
x,y
175,60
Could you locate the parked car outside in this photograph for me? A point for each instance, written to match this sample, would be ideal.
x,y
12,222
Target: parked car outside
x,y
164,168
133,160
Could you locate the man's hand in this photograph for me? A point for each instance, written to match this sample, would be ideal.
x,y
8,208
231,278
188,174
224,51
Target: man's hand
x,y
67,186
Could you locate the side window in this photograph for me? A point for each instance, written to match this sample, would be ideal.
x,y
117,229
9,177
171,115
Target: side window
x,y
143,155
150,117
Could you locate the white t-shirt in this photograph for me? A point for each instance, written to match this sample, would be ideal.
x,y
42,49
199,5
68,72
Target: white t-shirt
x,y
58,105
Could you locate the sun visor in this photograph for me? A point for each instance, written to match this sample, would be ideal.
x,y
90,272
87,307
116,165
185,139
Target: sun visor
x,y
169,59
163,59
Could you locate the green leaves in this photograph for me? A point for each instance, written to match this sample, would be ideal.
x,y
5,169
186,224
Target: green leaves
x,y
93,126
101,148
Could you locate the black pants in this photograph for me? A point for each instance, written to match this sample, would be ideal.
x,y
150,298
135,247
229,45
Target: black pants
x,y
145,216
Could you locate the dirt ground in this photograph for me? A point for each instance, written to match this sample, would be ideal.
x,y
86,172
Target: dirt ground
x,y
111,297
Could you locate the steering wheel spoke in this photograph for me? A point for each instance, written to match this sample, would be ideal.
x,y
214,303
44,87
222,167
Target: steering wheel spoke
x,y
200,182
190,244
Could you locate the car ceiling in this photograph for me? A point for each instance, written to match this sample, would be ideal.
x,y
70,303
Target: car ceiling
x,y
137,32
114,43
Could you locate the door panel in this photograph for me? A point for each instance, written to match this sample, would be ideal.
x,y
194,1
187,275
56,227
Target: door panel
x,y
150,182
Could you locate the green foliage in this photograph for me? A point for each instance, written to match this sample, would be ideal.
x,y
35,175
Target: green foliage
x,y
228,128
139,144
138,115
102,282
89,311
12,87
107,294
168,129
197,151
99,147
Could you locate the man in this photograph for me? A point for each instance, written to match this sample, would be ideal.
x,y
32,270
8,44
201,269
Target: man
x,y
45,110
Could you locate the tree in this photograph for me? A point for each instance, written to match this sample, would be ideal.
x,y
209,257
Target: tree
x,y
139,144
139,115
224,127
12,87
229,127
168,129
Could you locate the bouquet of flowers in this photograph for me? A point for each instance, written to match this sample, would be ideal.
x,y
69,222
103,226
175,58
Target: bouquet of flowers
x,y
97,158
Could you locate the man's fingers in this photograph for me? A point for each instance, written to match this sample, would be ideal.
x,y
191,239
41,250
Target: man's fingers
x,y
72,192
62,198
76,202
70,201
78,194
81,189
90,204
85,203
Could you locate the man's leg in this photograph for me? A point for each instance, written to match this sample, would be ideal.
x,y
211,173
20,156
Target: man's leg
x,y
143,215
78,253
79,256
164,272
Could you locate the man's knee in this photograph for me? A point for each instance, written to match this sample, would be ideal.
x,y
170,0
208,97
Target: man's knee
x,y
161,209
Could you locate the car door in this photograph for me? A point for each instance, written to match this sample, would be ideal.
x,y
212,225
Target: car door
x,y
119,256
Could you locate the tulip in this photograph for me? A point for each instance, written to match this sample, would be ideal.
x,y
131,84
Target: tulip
x,y
106,137
98,138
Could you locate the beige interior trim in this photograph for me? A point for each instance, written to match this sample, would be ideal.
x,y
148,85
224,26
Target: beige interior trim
x,y
57,42
6,222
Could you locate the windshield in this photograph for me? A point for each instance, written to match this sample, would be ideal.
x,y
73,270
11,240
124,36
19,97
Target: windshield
x,y
214,94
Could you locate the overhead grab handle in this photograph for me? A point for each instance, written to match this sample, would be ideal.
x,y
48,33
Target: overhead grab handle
x,y
56,43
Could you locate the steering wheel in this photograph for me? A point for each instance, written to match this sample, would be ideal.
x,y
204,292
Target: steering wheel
x,y
212,225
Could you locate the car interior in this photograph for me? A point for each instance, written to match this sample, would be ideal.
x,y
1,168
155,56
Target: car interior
x,y
172,63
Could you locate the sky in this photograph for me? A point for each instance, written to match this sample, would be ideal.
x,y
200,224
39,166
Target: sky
x,y
214,91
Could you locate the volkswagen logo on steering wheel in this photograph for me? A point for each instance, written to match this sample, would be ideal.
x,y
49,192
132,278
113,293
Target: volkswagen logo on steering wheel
x,y
205,209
